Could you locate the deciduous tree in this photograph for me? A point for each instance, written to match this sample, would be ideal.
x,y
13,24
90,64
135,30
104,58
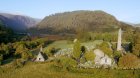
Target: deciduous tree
x,y
129,61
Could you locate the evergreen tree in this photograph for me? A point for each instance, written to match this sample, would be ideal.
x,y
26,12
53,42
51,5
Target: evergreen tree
x,y
77,50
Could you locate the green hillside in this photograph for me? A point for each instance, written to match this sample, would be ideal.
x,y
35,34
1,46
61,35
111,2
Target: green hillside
x,y
75,21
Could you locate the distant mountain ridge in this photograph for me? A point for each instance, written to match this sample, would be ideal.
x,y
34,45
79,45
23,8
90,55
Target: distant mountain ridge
x,y
137,25
74,21
18,22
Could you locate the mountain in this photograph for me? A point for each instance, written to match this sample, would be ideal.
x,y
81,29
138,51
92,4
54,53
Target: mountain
x,y
18,22
129,23
72,22
137,25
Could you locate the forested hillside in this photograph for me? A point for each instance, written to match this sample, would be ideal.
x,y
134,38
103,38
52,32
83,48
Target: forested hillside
x,y
71,22
18,22
5,33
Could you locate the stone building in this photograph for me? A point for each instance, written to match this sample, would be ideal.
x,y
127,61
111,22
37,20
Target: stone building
x,y
101,58
41,57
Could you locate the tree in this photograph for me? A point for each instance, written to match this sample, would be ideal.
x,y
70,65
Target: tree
x,y
77,50
129,61
25,55
6,34
117,55
6,50
83,35
114,46
20,49
22,52
50,51
1,58
83,50
136,44
90,56
106,48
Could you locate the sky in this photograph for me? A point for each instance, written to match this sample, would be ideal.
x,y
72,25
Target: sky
x,y
123,10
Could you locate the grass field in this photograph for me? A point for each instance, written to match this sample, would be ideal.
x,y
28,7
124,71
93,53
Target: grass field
x,y
48,70
63,44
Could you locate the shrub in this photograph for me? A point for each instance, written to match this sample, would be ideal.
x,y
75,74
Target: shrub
x,y
18,63
66,62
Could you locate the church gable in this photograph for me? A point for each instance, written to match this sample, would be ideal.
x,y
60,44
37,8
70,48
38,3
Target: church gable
x,y
41,56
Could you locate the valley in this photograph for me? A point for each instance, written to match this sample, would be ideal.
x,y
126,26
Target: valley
x,y
76,44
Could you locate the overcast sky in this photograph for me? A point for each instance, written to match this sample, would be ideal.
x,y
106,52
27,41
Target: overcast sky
x,y
124,10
